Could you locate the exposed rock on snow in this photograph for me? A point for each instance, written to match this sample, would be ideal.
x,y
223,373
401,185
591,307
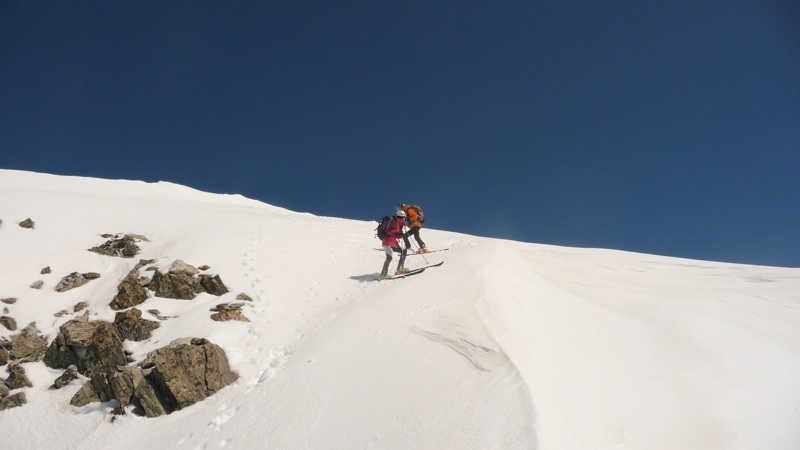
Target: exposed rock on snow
x,y
181,282
229,311
13,401
16,376
70,374
179,267
131,326
94,346
28,345
131,292
27,223
124,246
74,280
171,378
9,323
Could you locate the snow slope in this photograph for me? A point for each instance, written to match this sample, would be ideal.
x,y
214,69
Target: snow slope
x,y
507,345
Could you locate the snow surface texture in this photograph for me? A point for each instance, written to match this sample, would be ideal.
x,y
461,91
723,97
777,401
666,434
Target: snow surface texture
x,y
507,345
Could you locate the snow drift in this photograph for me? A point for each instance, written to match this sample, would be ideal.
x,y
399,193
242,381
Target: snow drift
x,y
507,345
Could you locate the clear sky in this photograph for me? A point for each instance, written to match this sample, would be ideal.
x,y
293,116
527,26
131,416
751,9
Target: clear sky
x,y
660,127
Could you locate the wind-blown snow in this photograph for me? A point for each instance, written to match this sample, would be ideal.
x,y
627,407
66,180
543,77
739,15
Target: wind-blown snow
x,y
507,345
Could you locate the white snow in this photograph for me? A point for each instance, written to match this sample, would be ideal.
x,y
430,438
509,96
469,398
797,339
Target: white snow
x,y
507,345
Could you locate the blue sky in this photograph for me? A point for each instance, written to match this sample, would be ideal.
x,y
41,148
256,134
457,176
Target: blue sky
x,y
660,127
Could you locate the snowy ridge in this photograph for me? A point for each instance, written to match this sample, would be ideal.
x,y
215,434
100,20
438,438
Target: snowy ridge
x,y
508,345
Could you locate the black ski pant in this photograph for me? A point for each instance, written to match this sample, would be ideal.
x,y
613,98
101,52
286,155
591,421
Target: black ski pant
x,y
414,231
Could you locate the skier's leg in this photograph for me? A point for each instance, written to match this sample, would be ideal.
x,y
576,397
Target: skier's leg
x,y
388,251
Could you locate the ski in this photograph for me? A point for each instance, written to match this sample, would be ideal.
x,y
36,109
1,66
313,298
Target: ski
x,y
409,273
429,251
432,265
403,275
413,272
410,253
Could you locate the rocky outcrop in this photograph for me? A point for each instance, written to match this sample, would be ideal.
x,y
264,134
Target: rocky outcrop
x,y
9,301
124,246
180,267
131,326
184,282
74,280
27,223
94,347
213,285
228,311
177,286
130,292
17,378
8,322
170,378
12,401
104,353
28,345
70,374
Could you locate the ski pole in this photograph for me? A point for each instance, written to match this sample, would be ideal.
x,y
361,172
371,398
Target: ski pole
x,y
416,245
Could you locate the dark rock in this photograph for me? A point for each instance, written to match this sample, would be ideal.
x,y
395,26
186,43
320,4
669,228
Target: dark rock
x,y
125,246
229,311
171,378
71,281
104,353
91,275
12,401
93,346
60,355
213,285
97,389
9,301
70,374
131,326
80,307
46,270
3,356
9,323
177,286
28,345
187,371
130,292
17,378
37,284
244,297
27,223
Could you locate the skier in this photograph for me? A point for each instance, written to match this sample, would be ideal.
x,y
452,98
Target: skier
x,y
414,219
394,231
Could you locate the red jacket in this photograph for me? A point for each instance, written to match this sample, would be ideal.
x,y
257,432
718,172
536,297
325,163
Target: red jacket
x,y
394,233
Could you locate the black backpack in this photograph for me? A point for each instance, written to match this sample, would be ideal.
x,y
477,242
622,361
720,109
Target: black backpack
x,y
387,223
